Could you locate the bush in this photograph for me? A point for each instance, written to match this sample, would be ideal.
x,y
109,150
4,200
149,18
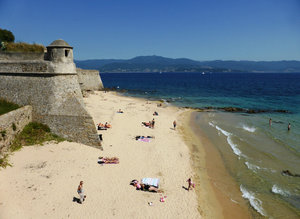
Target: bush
x,y
6,106
34,133
6,36
4,161
14,127
24,47
3,133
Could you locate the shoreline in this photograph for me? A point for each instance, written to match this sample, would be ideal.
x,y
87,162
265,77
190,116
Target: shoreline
x,y
209,169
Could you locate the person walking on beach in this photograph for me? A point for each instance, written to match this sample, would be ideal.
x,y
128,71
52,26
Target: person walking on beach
x,y
190,184
289,127
174,124
270,122
80,192
152,123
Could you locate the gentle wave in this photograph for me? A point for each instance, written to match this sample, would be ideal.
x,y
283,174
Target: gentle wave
x,y
248,129
277,190
211,124
254,202
230,142
252,166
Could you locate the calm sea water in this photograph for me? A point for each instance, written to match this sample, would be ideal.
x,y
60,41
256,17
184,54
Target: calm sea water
x,y
253,152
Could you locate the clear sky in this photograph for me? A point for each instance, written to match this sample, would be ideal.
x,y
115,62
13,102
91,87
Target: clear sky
x,y
196,29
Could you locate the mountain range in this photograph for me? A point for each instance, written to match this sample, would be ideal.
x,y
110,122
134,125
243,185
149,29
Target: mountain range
x,y
163,64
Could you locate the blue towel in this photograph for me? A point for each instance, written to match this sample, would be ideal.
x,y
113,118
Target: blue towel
x,y
151,182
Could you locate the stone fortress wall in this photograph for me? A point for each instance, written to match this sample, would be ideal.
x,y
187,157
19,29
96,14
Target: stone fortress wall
x,y
89,80
11,124
51,86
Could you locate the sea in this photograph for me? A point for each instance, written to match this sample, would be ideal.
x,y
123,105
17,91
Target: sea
x,y
254,142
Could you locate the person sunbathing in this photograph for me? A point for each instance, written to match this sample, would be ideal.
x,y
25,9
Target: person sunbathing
x,y
107,160
143,187
155,113
147,124
107,125
142,137
119,111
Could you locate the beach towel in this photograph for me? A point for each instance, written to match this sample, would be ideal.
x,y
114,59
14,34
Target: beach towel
x,y
144,139
151,182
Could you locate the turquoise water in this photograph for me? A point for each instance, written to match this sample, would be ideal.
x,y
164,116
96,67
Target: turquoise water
x,y
253,152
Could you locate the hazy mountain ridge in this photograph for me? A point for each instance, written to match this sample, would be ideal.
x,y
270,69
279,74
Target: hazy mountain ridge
x,y
162,64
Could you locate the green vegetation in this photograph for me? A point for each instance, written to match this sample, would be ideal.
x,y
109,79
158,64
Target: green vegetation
x,y
6,36
24,47
3,133
14,127
34,133
6,106
4,161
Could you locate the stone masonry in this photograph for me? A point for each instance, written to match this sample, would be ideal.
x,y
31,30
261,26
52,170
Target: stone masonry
x,y
51,87
11,124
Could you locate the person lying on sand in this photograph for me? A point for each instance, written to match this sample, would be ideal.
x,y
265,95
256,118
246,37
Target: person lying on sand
x,y
142,137
107,160
119,111
147,124
155,113
106,125
143,187
101,126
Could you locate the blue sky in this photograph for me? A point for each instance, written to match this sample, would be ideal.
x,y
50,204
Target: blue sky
x,y
196,29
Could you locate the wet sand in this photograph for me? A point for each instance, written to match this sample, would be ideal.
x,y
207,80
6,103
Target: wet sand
x,y
212,176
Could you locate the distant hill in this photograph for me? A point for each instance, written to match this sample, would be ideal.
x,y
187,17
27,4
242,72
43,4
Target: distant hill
x,y
162,64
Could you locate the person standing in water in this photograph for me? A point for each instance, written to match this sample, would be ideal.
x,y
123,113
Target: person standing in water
x,y
270,122
289,127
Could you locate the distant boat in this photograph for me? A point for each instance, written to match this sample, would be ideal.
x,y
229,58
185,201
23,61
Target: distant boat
x,y
203,73
160,72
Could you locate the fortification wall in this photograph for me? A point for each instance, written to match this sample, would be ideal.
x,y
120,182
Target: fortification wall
x,y
11,124
49,83
56,100
21,56
89,79
36,67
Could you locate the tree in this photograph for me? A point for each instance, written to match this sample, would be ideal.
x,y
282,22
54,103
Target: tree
x,y
6,36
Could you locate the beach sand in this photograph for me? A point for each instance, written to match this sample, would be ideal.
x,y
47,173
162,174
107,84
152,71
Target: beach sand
x,y
43,180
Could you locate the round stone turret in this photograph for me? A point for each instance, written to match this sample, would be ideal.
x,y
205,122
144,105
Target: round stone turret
x,y
60,51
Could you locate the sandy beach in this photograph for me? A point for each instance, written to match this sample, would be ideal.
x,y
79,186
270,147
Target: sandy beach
x,y
43,180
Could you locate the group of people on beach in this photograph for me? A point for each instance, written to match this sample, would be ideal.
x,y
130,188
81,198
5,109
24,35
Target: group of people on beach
x,y
289,125
115,160
149,124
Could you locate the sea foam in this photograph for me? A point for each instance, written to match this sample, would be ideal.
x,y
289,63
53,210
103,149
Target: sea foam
x,y
252,166
277,190
254,202
229,141
248,129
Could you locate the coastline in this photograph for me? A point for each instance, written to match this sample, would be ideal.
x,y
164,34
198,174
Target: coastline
x,y
43,179
209,171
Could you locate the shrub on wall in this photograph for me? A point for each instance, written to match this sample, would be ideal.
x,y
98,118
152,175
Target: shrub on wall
x,y
6,106
14,127
34,133
24,47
